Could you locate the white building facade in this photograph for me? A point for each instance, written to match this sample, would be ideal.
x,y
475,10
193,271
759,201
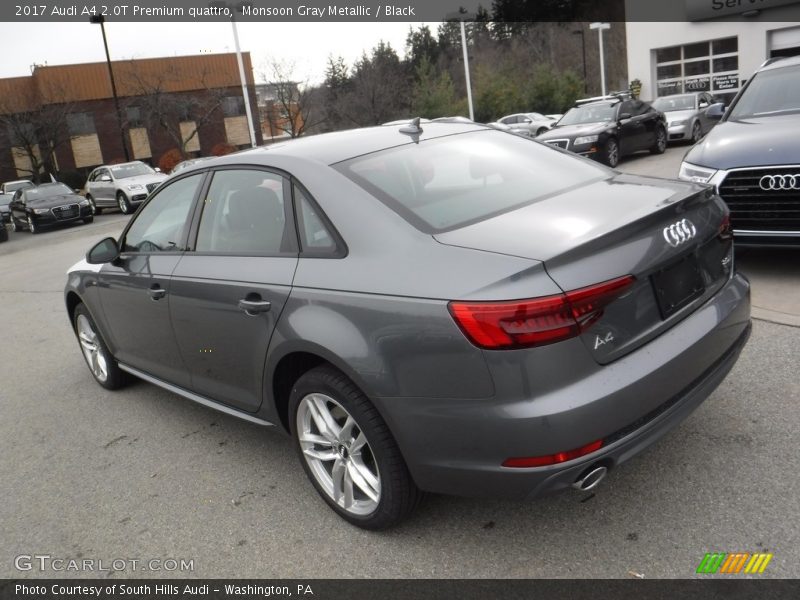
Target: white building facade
x,y
715,55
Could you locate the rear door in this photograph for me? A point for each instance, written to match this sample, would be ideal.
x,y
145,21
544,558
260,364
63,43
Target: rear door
x,y
228,292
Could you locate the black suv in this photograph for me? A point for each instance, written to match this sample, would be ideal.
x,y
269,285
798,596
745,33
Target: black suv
x,y
753,156
608,128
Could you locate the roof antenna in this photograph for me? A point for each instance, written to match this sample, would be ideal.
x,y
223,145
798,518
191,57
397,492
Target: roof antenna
x,y
412,128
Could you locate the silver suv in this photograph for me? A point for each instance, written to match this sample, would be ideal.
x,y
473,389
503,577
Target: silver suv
x,y
122,186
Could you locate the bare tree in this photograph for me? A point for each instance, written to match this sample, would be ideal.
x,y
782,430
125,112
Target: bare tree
x,y
164,110
36,126
291,107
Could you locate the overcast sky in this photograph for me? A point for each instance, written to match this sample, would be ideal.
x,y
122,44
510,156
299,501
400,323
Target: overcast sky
x,y
306,44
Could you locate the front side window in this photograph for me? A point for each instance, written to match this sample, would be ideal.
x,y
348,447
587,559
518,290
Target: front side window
x,y
160,225
452,181
244,214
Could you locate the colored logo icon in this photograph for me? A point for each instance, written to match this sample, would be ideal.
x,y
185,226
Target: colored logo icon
x,y
734,563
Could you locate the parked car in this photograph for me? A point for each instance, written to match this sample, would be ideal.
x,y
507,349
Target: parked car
x,y
752,156
514,321
530,124
187,163
7,190
608,129
45,205
123,186
686,115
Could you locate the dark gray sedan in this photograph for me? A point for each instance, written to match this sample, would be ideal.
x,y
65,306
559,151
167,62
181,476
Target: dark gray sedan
x,y
449,309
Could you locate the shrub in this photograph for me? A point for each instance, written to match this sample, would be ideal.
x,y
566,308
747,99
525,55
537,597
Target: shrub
x,y
222,149
169,159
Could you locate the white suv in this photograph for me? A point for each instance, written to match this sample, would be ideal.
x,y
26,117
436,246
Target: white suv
x,y
122,186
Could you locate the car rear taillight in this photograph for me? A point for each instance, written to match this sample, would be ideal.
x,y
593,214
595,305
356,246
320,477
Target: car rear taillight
x,y
552,459
537,321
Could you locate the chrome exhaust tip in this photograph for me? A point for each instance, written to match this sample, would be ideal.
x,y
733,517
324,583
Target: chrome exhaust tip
x,y
591,479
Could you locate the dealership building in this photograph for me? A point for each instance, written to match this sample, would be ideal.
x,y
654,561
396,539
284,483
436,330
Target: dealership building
x,y
709,51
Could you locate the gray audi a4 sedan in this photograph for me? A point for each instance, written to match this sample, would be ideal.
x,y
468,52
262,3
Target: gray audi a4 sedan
x,y
446,308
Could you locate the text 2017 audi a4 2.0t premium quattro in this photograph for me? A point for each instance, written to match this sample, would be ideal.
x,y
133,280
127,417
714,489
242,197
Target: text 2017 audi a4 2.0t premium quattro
x,y
448,309
753,156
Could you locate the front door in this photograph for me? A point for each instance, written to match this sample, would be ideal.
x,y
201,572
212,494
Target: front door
x,y
228,293
135,289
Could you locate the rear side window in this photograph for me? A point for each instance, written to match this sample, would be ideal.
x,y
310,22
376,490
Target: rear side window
x,y
315,237
244,213
453,181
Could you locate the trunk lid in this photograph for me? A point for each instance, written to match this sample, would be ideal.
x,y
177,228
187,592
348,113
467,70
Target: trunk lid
x,y
665,233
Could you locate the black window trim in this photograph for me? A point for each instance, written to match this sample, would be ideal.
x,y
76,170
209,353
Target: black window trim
x,y
191,244
183,244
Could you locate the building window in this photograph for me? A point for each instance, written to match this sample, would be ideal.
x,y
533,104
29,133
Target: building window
x,y
233,106
134,115
711,66
81,123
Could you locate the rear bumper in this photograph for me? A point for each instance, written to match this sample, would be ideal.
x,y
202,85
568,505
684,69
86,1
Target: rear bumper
x,y
457,447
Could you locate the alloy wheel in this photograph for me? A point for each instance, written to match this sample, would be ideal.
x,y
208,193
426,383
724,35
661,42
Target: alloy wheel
x,y
123,204
32,225
612,153
92,351
338,454
696,133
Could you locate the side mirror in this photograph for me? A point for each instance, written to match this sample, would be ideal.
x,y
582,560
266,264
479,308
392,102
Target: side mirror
x,y
703,105
715,111
76,190
158,170
624,116
105,178
527,121
104,251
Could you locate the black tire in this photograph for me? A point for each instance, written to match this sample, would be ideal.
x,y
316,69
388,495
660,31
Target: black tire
x,y
116,377
697,132
3,233
123,203
611,152
88,220
95,210
660,144
399,495
541,131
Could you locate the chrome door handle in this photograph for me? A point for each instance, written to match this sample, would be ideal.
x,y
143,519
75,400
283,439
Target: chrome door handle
x,y
253,307
157,293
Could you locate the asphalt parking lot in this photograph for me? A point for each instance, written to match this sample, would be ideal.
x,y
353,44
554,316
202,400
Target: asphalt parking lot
x,y
143,474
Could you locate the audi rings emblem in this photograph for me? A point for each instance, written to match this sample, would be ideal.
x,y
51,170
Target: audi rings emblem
x,y
786,182
679,233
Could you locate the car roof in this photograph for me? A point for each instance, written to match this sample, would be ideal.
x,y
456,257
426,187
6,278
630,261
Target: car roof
x,y
331,148
779,62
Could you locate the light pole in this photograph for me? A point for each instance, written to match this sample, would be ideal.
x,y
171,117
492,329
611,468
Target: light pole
x,y
601,27
465,16
100,19
247,111
583,54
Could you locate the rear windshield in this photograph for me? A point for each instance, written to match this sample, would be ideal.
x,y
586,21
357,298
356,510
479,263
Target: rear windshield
x,y
453,181
771,92
673,103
